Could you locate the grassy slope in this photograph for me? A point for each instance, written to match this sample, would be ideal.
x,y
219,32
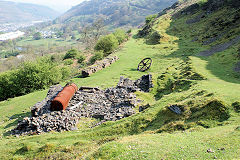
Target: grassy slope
x,y
179,145
143,144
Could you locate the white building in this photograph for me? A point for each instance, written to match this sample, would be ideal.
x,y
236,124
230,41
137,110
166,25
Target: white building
x,y
11,35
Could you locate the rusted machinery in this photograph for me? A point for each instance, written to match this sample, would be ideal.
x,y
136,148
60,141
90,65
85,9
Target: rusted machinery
x,y
60,102
144,65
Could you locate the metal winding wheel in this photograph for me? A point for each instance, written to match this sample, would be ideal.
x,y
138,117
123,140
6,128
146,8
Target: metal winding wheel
x,y
144,65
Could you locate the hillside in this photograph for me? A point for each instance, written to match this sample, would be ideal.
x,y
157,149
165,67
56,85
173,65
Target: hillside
x,y
11,12
195,48
115,13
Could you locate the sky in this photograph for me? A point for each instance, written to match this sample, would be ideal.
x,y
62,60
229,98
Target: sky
x,y
58,5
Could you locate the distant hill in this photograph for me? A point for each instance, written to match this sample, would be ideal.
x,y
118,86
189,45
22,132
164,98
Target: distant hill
x,y
115,12
12,12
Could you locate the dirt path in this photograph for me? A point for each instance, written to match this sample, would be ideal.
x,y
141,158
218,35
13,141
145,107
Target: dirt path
x,y
220,47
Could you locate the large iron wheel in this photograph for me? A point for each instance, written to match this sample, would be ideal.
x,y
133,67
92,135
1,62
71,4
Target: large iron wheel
x,y
144,65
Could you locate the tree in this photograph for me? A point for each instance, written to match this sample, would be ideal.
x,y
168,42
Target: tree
x,y
91,33
97,27
31,76
59,34
150,18
37,36
71,54
97,56
120,35
107,44
81,59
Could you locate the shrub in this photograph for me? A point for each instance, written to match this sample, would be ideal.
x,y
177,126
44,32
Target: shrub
x,y
66,72
37,75
236,106
8,87
71,54
120,35
81,59
68,62
107,44
56,58
150,18
31,76
37,36
97,56
129,31
154,38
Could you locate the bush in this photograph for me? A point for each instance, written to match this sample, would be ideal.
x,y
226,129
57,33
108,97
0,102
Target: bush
x,y
81,59
56,58
107,44
154,38
37,36
97,56
71,54
120,35
150,18
65,71
236,106
31,76
68,62
129,31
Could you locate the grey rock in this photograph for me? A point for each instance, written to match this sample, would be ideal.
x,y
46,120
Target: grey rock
x,y
220,47
107,105
99,66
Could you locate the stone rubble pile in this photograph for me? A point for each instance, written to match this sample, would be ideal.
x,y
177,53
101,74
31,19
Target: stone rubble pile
x,y
106,105
43,107
99,66
54,121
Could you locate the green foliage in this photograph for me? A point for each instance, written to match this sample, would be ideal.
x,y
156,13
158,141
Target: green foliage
x,y
68,62
150,18
107,44
31,76
96,57
37,36
129,31
236,106
120,35
154,38
6,54
71,54
192,93
81,59
59,34
65,71
48,147
56,58
116,14
177,79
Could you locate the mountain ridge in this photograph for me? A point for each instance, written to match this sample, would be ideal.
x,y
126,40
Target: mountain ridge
x,y
116,13
12,12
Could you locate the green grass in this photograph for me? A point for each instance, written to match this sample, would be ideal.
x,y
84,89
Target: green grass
x,y
179,145
225,88
143,136
45,42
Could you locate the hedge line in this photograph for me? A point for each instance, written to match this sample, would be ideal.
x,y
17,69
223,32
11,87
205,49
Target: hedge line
x,y
31,76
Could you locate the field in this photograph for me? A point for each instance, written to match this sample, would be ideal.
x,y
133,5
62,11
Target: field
x,y
212,132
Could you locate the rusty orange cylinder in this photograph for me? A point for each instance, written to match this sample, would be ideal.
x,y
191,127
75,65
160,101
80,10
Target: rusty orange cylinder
x,y
60,102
